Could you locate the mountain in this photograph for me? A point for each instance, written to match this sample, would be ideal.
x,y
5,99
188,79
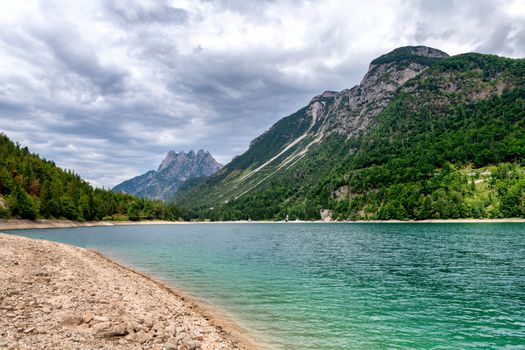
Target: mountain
x,y
34,188
173,172
424,135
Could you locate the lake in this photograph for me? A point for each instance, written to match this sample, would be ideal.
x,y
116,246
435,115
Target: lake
x,y
338,286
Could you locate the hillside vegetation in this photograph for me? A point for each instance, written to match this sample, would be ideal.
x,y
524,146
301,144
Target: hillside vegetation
x,y
32,188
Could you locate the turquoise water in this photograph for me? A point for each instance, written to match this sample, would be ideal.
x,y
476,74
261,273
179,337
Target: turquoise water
x,y
338,286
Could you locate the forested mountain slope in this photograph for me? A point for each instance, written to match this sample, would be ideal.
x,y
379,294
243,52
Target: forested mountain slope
x,y
423,136
32,187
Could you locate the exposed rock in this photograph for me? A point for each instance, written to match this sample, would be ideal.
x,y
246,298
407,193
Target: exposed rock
x,y
142,337
88,317
170,330
29,330
171,344
158,326
100,319
148,323
190,344
341,193
117,331
352,110
72,320
326,215
101,328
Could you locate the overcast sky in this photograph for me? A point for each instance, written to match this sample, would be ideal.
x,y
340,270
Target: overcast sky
x,y
106,88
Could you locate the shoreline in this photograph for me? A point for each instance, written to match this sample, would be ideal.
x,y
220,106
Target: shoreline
x,y
218,319
90,299
28,224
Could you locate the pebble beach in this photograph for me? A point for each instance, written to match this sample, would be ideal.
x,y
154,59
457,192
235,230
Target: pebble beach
x,y
56,296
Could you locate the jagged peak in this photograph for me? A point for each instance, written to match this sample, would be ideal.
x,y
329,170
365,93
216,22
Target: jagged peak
x,y
203,153
175,169
173,156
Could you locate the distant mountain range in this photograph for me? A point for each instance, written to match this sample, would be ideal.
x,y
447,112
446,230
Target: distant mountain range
x,y
173,172
423,136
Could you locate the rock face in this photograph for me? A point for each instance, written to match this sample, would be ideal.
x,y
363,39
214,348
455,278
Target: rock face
x,y
173,171
352,111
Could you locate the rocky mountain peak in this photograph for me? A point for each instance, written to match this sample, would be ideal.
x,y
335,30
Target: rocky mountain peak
x,y
174,157
190,164
202,153
351,111
173,171
400,65
170,157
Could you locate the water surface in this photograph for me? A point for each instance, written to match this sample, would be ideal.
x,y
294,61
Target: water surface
x,y
338,286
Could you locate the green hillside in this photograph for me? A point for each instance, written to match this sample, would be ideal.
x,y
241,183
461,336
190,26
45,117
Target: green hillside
x,y
33,188
449,143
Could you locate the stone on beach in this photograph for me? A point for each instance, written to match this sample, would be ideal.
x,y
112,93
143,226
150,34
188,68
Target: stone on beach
x,y
100,318
72,320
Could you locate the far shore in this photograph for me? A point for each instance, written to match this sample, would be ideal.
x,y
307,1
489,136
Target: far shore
x,y
29,224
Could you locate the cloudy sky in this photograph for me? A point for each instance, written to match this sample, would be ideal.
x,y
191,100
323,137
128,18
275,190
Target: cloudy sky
x,y
106,88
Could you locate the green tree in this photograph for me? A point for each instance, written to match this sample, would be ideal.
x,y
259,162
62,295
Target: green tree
x,y
134,211
21,204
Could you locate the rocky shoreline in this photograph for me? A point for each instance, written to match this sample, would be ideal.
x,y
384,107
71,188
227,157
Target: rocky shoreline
x,y
56,296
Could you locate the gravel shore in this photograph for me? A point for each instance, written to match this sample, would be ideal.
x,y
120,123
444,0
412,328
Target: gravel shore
x,y
55,296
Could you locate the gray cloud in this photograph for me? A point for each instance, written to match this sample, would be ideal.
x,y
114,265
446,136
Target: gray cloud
x,y
505,39
107,88
423,33
82,61
140,12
